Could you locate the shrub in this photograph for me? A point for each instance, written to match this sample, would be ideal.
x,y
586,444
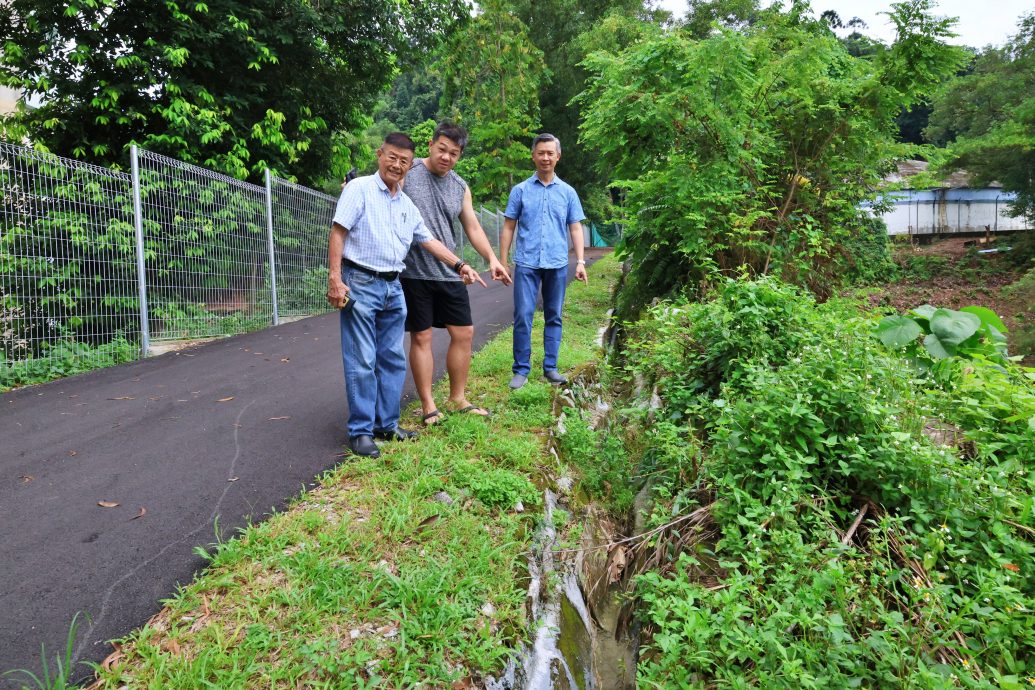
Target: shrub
x,y
852,545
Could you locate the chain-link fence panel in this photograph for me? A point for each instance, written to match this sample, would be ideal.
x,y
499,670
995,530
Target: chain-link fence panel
x,y
206,251
68,279
301,220
492,223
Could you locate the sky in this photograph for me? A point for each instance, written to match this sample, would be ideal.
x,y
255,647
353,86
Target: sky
x,y
980,23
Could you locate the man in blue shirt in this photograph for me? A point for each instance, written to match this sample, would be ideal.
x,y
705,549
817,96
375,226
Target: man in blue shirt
x,y
374,226
543,211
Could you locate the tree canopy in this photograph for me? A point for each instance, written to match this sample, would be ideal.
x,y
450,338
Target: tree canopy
x,y
231,85
751,149
491,73
988,118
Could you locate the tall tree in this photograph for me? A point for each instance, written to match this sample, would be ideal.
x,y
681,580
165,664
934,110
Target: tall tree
x,y
554,26
752,149
415,96
988,118
492,72
703,15
229,84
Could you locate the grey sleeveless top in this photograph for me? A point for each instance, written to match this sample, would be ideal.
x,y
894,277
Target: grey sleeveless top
x,y
439,200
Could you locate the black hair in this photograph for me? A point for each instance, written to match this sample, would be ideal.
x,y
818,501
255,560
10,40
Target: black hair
x,y
400,141
453,132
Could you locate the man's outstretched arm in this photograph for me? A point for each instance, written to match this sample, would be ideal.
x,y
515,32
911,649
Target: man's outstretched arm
x,y
474,231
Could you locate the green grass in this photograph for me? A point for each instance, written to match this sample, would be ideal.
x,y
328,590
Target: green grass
x,y
65,358
367,580
56,677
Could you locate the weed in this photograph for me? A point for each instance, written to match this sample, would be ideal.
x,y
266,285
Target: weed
x,y
872,520
65,358
606,467
63,666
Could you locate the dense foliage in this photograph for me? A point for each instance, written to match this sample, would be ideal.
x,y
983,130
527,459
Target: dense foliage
x,y
512,72
753,148
492,74
869,522
558,28
988,116
235,86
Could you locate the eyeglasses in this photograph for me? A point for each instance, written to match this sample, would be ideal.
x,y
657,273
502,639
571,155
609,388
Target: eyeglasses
x,y
393,159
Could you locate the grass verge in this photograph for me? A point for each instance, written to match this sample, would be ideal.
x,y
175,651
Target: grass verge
x,y
374,577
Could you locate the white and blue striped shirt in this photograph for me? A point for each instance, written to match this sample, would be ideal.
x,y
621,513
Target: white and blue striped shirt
x,y
381,227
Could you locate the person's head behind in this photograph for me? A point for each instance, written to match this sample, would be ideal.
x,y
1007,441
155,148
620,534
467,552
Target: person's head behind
x,y
395,157
546,151
446,146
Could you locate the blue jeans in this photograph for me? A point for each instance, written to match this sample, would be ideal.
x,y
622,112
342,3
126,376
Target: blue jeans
x,y
527,282
372,352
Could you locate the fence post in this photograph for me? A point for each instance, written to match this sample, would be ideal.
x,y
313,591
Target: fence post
x,y
269,232
138,226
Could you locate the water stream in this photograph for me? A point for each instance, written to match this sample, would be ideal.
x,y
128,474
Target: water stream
x,y
584,637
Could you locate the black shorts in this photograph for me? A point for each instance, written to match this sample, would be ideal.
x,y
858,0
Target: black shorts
x,y
437,303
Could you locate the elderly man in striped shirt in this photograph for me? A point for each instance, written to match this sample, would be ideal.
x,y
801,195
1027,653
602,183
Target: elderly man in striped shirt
x,y
374,226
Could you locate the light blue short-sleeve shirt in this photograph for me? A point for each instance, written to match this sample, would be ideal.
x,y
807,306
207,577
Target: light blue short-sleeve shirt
x,y
543,213
381,226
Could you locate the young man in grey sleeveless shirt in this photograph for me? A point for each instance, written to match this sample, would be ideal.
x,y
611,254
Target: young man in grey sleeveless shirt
x,y
435,295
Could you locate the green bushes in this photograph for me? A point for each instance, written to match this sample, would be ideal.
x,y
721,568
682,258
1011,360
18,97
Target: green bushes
x,y
754,148
868,253
714,343
1022,294
65,358
602,459
871,520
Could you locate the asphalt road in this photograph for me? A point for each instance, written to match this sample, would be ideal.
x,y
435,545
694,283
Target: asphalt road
x,y
222,433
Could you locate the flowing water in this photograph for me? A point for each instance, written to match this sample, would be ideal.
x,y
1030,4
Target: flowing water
x,y
584,637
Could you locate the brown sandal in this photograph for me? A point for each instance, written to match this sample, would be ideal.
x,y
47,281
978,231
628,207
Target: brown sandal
x,y
434,414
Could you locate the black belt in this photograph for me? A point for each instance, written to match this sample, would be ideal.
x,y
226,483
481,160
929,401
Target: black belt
x,y
383,275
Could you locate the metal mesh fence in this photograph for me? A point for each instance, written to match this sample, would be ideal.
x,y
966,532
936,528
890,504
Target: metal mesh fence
x,y
301,219
94,263
492,224
206,249
68,288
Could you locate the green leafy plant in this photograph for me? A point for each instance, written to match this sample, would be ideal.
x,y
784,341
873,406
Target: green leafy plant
x,y
867,524
65,358
495,487
607,468
753,147
970,332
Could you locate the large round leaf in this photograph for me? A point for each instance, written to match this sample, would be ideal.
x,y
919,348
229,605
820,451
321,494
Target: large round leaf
x,y
953,327
987,316
938,348
924,311
897,331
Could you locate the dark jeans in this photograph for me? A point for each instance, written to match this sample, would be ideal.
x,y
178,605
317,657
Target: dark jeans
x,y
527,282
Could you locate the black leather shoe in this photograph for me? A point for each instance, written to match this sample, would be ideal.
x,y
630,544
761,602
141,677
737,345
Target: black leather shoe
x,y
365,446
396,434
